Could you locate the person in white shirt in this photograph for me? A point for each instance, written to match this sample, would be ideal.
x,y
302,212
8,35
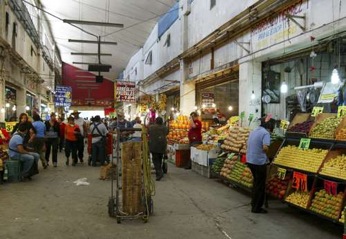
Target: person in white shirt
x,y
99,133
83,130
137,135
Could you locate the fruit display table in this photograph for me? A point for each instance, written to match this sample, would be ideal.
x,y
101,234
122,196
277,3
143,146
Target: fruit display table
x,y
314,176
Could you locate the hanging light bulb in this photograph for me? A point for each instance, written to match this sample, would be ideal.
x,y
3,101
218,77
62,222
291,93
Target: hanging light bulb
x,y
284,87
195,107
14,108
253,96
335,79
7,105
203,106
230,108
27,108
2,110
172,108
213,105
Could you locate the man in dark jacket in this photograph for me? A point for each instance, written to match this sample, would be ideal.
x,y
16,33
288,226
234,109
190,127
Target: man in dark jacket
x,y
158,145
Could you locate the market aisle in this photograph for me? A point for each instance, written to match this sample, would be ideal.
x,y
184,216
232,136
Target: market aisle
x,y
186,205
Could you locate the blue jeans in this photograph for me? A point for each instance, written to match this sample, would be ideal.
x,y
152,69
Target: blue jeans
x,y
27,161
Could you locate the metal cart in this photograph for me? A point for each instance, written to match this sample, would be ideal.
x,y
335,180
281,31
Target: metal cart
x,y
134,186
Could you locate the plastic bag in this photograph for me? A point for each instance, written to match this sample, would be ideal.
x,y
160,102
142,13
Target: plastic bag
x,y
82,182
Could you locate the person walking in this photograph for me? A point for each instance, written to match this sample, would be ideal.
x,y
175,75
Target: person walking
x,y
39,140
194,134
71,131
257,160
158,145
99,141
17,151
52,139
83,133
62,123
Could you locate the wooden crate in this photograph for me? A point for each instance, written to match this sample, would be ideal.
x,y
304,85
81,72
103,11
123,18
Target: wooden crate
x,y
131,157
340,132
319,118
299,118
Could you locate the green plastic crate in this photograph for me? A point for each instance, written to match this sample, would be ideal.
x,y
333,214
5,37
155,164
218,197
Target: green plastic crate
x,y
14,170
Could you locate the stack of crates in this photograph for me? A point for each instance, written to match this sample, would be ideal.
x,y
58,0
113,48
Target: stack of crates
x,y
14,170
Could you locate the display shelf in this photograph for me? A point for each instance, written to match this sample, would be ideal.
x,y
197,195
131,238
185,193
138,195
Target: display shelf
x,y
313,213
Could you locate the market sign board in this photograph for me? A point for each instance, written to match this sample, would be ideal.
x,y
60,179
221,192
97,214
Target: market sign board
x,y
276,28
63,96
124,91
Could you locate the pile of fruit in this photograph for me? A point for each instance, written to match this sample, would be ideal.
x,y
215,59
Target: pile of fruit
x,y
237,172
341,135
246,178
327,204
299,198
205,147
178,128
326,128
335,167
218,165
342,218
236,140
277,187
301,127
228,166
308,160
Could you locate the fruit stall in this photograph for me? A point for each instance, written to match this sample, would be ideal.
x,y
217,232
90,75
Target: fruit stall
x,y
307,170
311,167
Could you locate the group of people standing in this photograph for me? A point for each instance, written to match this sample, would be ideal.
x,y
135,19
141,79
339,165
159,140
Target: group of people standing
x,y
36,140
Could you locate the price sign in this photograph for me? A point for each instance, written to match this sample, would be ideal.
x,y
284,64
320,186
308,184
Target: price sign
x,y
284,124
304,143
341,111
330,187
9,126
281,173
316,110
300,181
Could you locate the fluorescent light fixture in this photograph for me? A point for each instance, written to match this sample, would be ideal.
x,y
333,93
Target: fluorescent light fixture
x,y
335,79
284,87
93,42
90,54
104,24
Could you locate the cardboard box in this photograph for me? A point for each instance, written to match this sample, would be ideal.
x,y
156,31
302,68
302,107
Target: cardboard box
x,y
202,157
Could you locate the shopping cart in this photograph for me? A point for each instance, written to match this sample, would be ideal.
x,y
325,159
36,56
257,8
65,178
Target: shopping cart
x,y
134,186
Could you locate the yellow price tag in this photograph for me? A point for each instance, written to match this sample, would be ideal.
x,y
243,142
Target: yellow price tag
x,y
316,110
284,124
281,173
341,111
9,126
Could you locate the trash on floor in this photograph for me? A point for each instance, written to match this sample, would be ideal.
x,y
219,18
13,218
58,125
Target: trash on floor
x,y
82,181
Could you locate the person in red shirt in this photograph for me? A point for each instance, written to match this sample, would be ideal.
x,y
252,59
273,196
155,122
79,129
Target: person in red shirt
x,y
71,132
195,133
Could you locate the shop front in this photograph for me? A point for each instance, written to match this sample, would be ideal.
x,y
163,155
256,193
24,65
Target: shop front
x,y
10,104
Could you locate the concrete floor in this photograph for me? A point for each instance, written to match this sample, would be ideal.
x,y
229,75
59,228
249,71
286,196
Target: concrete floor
x,y
186,205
